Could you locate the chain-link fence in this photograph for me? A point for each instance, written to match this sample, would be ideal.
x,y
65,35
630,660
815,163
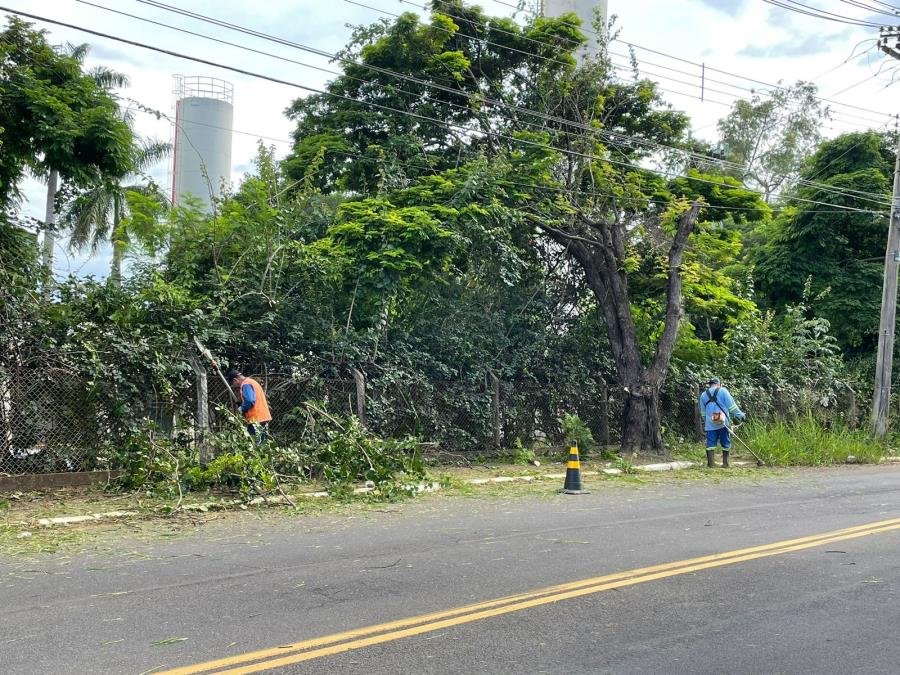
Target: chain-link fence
x,y
48,423
52,421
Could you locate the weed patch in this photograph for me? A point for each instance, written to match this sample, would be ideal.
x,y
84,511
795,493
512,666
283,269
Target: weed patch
x,y
805,442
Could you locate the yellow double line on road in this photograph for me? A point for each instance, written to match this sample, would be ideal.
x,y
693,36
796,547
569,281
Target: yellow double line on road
x,y
277,657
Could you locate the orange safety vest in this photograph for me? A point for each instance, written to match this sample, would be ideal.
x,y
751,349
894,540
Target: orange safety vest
x,y
260,410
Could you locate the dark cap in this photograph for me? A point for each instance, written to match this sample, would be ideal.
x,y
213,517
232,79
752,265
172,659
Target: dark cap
x,y
712,381
232,375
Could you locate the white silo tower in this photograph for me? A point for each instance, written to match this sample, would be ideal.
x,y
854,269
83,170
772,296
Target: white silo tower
x,y
585,9
204,115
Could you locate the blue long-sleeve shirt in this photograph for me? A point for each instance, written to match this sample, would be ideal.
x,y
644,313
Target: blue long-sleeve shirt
x,y
708,406
248,398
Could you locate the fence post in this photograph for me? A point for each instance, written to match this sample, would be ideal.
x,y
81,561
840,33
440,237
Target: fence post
x,y
604,414
6,414
202,422
494,384
853,409
693,399
360,381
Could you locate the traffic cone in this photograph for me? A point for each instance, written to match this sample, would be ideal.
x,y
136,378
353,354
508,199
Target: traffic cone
x,y
573,474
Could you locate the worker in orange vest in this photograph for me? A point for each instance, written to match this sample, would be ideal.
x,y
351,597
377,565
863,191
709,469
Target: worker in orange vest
x,y
254,406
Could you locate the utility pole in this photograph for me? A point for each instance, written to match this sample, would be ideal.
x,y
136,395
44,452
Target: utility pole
x,y
889,43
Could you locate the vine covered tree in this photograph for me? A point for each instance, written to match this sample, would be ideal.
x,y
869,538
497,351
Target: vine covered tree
x,y
566,144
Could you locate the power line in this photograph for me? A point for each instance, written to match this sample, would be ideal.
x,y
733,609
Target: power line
x,y
386,108
704,66
869,8
391,73
571,123
825,188
868,78
808,10
746,78
606,133
853,56
703,89
630,140
384,71
563,191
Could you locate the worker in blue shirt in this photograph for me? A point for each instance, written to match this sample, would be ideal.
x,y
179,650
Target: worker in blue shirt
x,y
717,407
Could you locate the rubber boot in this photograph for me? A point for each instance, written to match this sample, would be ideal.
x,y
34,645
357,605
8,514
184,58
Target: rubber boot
x,y
725,459
710,459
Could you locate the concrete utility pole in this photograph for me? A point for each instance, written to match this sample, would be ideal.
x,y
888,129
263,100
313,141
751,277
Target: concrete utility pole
x,y
889,43
881,402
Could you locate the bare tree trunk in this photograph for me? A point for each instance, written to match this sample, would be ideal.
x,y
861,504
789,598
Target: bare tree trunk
x,y
50,223
603,260
118,252
641,424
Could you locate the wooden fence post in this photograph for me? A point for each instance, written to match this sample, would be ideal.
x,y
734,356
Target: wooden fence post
x,y
360,381
852,409
494,384
202,421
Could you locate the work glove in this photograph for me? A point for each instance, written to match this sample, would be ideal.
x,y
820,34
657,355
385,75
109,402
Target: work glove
x,y
740,417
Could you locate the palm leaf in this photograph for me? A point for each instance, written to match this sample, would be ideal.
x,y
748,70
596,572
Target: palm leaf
x,y
149,152
109,78
88,218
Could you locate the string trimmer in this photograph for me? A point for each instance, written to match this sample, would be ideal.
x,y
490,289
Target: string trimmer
x,y
215,366
731,429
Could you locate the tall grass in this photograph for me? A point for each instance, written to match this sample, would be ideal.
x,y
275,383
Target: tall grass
x,y
805,442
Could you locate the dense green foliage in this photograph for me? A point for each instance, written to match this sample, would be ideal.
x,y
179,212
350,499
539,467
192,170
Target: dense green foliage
x,y
842,253
512,228
54,116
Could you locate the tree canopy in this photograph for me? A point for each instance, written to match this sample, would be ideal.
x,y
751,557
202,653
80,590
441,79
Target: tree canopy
x,y
841,252
466,201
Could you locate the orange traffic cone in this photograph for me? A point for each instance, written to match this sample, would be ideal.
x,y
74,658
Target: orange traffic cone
x,y
573,474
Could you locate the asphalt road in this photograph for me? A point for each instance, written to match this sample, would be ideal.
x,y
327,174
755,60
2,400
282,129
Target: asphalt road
x,y
584,602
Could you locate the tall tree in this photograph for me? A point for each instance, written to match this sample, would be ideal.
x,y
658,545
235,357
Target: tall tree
x,y
98,214
56,120
571,140
769,137
839,252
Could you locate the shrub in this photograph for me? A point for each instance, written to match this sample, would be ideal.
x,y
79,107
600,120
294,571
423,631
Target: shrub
x,y
339,451
577,431
522,455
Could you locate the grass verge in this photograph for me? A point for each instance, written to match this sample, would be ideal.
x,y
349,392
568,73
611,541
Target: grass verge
x,y
805,442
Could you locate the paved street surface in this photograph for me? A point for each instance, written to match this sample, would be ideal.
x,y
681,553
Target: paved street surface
x,y
792,603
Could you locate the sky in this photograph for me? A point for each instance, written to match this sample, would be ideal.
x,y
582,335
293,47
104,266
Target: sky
x,y
749,38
